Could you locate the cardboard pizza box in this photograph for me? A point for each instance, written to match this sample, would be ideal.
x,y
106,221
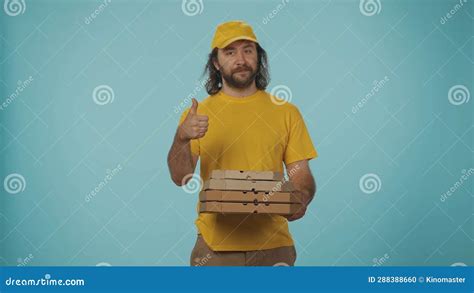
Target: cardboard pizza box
x,y
282,209
249,196
247,175
248,185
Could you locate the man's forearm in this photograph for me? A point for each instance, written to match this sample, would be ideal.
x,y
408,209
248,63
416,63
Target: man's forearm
x,y
180,159
308,190
303,181
305,185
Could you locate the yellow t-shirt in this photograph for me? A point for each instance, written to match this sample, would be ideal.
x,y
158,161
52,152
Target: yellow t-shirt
x,y
249,133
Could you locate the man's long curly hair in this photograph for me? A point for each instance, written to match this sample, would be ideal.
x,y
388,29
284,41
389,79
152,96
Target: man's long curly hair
x,y
214,81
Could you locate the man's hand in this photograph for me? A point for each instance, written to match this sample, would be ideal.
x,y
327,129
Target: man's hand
x,y
302,210
305,186
194,126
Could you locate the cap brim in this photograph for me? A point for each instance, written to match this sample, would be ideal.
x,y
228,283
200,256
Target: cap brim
x,y
229,41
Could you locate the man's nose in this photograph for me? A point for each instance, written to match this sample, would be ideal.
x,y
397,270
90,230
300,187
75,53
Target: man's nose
x,y
240,58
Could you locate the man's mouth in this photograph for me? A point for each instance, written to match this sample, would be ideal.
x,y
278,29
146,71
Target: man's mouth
x,y
242,70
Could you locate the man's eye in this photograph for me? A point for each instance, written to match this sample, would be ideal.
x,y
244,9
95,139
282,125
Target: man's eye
x,y
230,53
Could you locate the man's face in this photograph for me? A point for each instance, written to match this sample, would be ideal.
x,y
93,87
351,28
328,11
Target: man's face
x,y
238,63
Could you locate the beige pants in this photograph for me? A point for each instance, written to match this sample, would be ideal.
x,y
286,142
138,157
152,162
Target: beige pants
x,y
202,255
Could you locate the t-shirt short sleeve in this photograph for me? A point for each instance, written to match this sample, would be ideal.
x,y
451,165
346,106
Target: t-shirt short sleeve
x,y
299,146
194,142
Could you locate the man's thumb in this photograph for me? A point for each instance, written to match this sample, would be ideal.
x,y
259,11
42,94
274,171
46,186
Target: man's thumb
x,y
194,107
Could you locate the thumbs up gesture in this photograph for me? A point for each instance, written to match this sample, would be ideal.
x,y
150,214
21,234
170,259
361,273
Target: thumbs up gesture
x,y
194,126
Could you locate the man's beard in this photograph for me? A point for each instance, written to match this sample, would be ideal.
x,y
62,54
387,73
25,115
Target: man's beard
x,y
239,83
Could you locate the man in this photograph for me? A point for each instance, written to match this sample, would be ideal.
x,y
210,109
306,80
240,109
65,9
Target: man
x,y
241,127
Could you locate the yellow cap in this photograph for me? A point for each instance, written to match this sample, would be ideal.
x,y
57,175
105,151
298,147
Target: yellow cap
x,y
232,31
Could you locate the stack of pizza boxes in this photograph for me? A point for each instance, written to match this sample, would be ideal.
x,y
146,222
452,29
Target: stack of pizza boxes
x,y
246,192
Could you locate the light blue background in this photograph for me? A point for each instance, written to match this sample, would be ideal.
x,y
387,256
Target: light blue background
x,y
152,55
